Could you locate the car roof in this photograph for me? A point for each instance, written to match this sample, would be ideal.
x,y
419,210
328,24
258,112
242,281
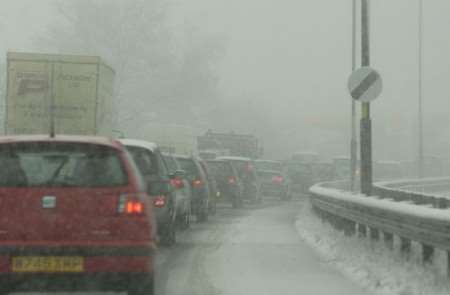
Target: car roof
x,y
268,161
139,143
268,171
216,161
61,138
233,158
186,157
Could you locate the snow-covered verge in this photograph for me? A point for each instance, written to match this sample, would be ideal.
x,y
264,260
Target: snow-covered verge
x,y
370,264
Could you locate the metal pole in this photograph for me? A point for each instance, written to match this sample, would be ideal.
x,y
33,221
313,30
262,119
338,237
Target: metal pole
x,y
420,104
366,124
52,101
353,142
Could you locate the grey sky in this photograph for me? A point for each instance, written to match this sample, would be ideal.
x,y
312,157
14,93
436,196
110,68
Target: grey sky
x,y
293,58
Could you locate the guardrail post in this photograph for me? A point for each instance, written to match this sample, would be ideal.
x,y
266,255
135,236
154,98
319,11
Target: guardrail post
x,y
362,230
448,264
442,203
374,234
388,240
349,227
427,253
405,245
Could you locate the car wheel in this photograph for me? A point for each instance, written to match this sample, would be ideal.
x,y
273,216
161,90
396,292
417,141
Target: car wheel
x,y
5,289
170,232
240,202
202,216
185,221
144,287
213,208
235,202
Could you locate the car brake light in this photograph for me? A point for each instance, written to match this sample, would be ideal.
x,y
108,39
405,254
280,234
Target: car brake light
x,y
232,180
176,182
159,201
197,183
278,179
134,207
130,205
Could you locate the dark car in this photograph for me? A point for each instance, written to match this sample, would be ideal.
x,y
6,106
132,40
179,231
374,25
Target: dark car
x,y
151,164
272,179
247,175
228,182
183,191
212,186
75,216
301,176
199,186
273,183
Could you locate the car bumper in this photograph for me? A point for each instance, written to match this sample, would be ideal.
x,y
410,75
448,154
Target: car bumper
x,y
114,282
270,189
104,267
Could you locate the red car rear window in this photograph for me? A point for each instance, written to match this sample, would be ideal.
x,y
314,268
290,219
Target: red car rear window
x,y
50,164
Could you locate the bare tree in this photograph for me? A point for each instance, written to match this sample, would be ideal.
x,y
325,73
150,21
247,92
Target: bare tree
x,y
157,75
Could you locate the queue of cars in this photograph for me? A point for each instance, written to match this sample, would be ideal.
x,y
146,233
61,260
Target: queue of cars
x,y
87,213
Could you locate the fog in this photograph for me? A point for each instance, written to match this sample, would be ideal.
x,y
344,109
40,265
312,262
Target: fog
x,y
277,69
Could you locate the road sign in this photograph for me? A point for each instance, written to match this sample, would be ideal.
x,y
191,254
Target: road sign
x,y
365,84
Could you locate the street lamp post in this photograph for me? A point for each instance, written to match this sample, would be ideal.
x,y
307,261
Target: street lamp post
x,y
353,142
420,161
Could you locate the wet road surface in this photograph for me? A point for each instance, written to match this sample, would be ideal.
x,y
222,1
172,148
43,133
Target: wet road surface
x,y
250,251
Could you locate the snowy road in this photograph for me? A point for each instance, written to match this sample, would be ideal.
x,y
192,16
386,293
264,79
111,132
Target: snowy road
x,y
252,251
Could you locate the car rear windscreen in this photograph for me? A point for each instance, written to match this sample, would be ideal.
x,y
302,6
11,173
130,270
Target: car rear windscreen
x,y
273,166
245,170
220,169
189,166
267,175
145,160
45,164
171,163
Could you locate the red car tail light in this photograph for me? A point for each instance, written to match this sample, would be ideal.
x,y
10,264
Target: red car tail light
x,y
278,179
159,201
232,180
177,183
197,183
130,205
134,207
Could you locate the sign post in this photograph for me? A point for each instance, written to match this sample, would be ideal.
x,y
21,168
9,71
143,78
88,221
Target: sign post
x,y
365,85
366,123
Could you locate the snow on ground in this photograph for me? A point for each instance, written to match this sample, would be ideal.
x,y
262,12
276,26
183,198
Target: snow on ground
x,y
376,268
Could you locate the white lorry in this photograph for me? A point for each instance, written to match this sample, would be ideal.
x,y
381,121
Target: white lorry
x,y
64,94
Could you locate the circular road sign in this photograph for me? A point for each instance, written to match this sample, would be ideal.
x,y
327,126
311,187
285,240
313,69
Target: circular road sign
x,y
365,84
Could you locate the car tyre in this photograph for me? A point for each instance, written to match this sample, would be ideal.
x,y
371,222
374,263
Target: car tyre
x,y
169,237
213,208
235,203
185,221
145,287
202,216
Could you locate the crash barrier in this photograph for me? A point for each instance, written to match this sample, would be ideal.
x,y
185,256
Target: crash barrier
x,y
421,192
384,218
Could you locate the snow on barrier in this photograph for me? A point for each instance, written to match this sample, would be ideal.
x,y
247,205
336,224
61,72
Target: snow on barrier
x,y
385,218
419,191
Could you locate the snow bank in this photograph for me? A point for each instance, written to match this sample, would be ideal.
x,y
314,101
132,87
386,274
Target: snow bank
x,y
370,264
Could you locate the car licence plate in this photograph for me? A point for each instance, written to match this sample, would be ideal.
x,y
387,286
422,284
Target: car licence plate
x,y
47,264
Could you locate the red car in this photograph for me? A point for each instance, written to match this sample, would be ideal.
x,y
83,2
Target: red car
x,y
74,215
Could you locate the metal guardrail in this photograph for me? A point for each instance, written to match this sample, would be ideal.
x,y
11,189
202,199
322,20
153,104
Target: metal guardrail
x,y
397,213
420,192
